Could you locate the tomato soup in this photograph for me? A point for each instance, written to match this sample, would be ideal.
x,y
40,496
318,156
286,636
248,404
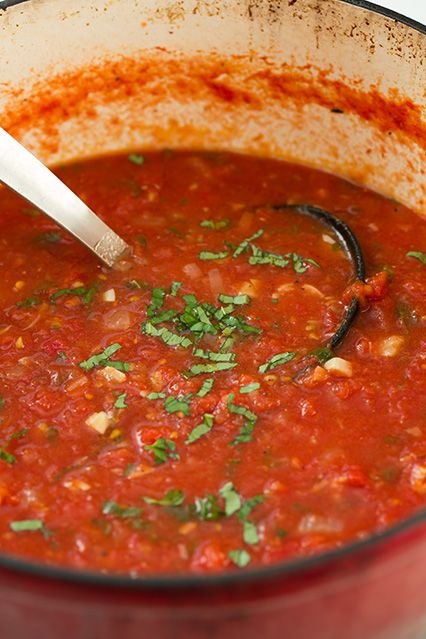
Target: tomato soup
x,y
185,412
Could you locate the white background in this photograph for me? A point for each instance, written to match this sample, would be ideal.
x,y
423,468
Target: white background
x,y
412,8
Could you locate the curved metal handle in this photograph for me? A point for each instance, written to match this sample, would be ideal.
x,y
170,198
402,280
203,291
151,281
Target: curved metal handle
x,y
22,172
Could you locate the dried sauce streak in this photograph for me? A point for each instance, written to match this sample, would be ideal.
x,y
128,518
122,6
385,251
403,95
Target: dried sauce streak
x,y
154,419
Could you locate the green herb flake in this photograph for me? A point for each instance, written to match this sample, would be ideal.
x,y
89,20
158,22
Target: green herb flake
x,y
210,255
277,360
172,498
7,457
205,389
418,255
27,525
29,302
249,388
202,429
250,534
245,435
216,225
86,293
322,354
214,357
102,359
158,295
163,449
50,237
238,300
137,284
168,337
124,512
207,508
178,404
231,497
200,369
240,410
240,557
244,245
175,288
120,402
154,395
136,158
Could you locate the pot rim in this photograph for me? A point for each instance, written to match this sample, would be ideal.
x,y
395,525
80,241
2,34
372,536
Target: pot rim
x,y
283,569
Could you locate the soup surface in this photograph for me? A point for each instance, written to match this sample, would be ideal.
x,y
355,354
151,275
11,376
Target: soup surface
x,y
163,417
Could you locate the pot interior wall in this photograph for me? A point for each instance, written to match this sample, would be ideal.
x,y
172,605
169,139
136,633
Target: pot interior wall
x,y
319,82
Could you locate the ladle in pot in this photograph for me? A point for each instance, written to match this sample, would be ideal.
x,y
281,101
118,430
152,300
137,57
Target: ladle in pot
x,y
27,176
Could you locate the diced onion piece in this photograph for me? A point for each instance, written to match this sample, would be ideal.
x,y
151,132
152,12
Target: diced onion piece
x,y
117,319
251,288
77,383
328,239
418,479
110,374
316,524
193,271
285,288
391,346
109,295
99,422
312,290
339,367
215,281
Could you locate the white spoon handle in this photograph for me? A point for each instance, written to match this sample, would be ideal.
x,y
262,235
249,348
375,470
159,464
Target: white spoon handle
x,y
23,173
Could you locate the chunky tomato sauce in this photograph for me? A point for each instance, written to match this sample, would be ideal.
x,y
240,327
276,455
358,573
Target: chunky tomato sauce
x,y
183,413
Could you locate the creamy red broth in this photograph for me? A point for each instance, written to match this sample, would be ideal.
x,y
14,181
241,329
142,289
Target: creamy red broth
x,y
160,417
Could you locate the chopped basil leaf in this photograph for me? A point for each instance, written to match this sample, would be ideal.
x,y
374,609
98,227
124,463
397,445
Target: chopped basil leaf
x,y
277,360
156,395
163,449
120,402
136,158
243,246
202,429
124,512
206,387
217,225
322,354
129,470
240,410
29,302
7,457
178,404
214,357
231,497
248,506
238,300
168,337
249,388
240,557
175,288
200,369
209,255
245,435
172,498
418,255
27,525
19,434
158,295
207,508
86,294
102,359
164,316
250,534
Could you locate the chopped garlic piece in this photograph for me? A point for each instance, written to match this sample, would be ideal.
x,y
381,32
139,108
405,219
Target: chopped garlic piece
x,y
110,374
19,343
109,295
250,287
418,479
391,346
339,367
99,422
